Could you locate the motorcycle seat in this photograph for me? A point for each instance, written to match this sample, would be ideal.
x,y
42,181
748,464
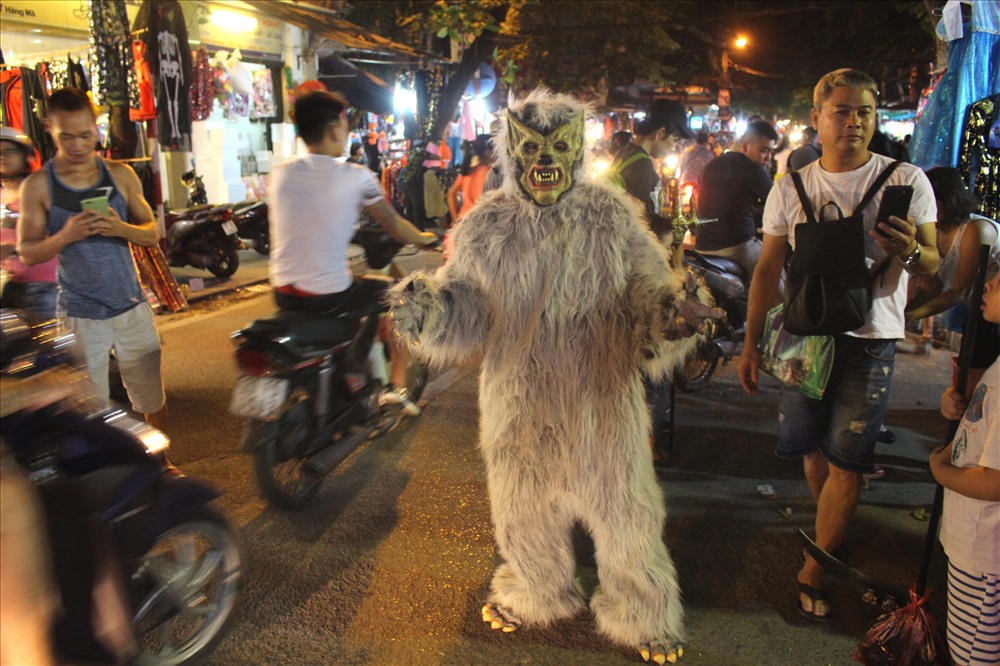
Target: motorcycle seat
x,y
306,329
716,264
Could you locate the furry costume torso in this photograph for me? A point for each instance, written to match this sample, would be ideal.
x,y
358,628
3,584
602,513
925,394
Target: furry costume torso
x,y
564,352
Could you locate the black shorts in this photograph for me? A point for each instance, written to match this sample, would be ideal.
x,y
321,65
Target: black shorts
x,y
365,296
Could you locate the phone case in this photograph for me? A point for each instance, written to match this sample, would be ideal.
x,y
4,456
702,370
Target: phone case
x,y
97,205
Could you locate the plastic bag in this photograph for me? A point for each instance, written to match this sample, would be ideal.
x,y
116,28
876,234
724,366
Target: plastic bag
x,y
907,636
802,362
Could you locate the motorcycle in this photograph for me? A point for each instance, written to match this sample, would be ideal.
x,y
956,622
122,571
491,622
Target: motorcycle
x,y
309,389
197,195
730,287
204,237
252,225
106,487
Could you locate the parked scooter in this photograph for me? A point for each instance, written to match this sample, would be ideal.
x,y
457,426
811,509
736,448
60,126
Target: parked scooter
x,y
197,195
108,491
730,287
203,237
252,225
309,389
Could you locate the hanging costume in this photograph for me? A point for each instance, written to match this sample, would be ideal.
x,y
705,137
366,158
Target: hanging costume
x,y
160,24
561,290
973,73
979,154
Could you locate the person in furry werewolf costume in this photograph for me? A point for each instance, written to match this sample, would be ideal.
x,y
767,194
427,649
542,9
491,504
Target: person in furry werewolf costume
x,y
561,290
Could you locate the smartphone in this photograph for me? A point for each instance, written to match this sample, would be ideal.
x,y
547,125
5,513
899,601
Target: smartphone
x,y
98,205
896,202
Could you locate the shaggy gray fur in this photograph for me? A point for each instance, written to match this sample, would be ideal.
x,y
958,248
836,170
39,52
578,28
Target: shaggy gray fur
x,y
564,304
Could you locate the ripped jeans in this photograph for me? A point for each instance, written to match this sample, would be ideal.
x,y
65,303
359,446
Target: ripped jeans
x,y
845,423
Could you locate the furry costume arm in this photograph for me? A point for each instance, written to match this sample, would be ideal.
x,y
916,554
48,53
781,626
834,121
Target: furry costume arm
x,y
671,309
442,317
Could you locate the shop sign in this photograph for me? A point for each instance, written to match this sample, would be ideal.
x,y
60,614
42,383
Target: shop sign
x,y
265,38
63,14
724,97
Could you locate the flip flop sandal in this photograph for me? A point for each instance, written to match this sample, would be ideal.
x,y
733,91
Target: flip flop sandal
x,y
815,596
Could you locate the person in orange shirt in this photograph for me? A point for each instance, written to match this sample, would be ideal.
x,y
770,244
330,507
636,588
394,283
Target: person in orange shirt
x,y
469,185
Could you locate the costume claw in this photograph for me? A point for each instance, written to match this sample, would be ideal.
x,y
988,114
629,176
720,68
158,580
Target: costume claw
x,y
500,618
659,654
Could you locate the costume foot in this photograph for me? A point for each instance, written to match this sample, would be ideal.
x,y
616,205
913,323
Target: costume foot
x,y
500,618
818,608
661,652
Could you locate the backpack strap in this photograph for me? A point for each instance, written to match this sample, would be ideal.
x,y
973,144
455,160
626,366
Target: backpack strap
x,y
803,197
876,186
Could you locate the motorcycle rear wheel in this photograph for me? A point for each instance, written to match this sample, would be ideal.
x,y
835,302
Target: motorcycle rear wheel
x,y
278,464
192,577
227,259
697,371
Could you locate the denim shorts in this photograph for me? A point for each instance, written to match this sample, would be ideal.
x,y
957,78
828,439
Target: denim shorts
x,y
844,425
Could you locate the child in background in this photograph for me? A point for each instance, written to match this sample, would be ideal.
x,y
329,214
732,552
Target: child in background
x,y
969,470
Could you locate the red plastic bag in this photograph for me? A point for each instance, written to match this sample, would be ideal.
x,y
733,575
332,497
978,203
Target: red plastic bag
x,y
907,636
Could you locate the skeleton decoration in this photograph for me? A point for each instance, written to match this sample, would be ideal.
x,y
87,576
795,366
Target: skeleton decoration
x,y
171,77
160,24
567,299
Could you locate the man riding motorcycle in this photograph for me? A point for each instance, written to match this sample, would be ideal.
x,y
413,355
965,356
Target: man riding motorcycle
x,y
315,202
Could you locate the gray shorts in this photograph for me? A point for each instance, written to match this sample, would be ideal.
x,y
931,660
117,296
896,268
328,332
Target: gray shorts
x,y
133,336
843,425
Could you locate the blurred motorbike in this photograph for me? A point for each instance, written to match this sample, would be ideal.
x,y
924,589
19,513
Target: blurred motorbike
x,y
110,495
309,389
250,218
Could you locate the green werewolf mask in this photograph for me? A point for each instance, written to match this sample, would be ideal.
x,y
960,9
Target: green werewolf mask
x,y
545,162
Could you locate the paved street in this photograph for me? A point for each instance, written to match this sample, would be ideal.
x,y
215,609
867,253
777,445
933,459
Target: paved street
x,y
390,565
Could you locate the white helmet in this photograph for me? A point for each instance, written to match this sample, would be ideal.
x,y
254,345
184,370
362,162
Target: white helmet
x,y
17,136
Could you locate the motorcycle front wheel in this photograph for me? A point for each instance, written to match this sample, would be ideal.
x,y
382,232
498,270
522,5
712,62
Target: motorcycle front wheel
x,y
697,371
278,463
190,579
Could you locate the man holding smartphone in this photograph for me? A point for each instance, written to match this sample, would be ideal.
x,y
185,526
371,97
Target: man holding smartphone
x,y
86,211
835,436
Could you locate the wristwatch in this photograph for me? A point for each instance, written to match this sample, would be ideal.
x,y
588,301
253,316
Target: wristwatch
x,y
912,258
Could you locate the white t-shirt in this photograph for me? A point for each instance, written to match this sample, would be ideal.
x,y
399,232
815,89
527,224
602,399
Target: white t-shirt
x,y
970,528
313,206
783,211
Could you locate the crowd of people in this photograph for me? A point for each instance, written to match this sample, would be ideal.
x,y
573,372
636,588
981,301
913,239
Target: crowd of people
x,y
927,261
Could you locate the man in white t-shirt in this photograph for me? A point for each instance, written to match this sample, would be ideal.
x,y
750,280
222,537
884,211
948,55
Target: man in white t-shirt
x,y
835,436
314,206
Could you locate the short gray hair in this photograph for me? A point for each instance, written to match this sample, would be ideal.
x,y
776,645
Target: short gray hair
x,y
842,78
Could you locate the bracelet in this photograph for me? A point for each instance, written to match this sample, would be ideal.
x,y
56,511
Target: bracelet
x,y
912,259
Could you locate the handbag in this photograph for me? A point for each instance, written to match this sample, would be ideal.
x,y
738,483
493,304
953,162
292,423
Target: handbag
x,y
828,288
802,362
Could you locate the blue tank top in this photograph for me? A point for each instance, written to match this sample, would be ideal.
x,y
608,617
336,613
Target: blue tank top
x,y
97,277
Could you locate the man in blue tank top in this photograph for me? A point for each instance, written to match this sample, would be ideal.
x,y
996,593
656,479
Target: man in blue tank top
x,y
100,299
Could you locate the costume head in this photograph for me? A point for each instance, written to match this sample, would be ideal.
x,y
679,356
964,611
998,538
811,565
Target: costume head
x,y
541,146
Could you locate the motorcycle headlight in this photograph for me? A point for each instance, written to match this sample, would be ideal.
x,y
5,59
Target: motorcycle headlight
x,y
154,440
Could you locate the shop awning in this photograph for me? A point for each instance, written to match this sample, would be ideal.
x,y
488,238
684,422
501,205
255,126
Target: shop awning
x,y
363,90
319,18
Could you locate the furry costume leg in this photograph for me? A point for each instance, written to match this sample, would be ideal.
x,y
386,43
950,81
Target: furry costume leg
x,y
534,535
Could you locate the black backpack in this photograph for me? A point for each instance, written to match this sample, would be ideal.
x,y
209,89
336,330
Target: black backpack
x,y
828,288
